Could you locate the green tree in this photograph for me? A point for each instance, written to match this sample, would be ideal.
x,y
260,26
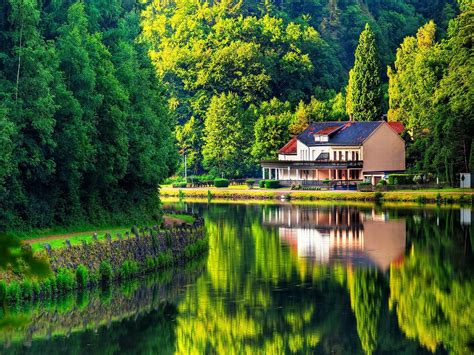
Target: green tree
x,y
271,129
228,136
364,89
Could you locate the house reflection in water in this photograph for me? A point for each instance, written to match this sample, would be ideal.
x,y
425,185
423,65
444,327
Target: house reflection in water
x,y
340,234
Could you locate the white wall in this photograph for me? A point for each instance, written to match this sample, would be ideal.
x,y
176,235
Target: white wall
x,y
312,153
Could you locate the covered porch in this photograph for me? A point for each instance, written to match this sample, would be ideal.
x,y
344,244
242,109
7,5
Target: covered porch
x,y
311,170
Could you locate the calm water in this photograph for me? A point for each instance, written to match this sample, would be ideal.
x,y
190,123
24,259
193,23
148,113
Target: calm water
x,y
281,279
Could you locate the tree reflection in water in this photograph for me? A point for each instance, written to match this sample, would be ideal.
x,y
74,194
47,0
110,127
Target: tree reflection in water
x,y
307,279
270,289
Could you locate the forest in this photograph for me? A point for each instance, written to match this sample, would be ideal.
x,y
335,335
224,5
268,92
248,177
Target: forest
x,y
85,132
242,77
99,98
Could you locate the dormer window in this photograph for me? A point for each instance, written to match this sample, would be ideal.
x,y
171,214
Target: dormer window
x,y
321,138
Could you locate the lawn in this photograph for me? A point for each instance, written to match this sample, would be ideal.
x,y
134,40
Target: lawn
x,y
58,240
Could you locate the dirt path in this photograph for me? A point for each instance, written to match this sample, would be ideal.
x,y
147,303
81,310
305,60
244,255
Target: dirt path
x,y
168,221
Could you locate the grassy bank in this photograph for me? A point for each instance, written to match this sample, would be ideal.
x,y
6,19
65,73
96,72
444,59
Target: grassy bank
x,y
84,232
419,196
66,280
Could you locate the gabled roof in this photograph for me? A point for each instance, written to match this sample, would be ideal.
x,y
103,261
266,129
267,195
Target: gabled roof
x,y
340,133
397,127
290,147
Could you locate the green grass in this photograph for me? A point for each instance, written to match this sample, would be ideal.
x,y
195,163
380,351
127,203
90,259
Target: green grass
x,y
77,239
184,217
86,236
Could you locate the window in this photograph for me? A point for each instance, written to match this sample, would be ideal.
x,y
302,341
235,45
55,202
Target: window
x,y
340,155
347,155
335,156
353,155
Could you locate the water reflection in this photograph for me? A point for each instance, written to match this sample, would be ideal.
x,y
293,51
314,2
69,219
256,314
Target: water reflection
x,y
340,234
286,279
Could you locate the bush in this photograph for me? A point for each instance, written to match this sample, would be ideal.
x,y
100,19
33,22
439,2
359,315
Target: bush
x,y
272,184
382,182
45,287
173,180
128,269
105,271
13,293
180,185
378,196
261,184
26,288
221,182
3,291
326,181
65,280
164,259
250,182
400,179
82,276
150,263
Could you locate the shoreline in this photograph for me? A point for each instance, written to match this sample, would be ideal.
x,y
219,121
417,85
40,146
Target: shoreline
x,y
419,196
58,271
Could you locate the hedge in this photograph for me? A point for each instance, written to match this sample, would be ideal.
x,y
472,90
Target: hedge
x,y
272,184
180,185
261,184
221,182
400,179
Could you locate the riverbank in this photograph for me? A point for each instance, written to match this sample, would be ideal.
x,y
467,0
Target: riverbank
x,y
98,261
419,196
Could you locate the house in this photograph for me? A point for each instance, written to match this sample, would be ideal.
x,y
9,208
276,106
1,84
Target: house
x,y
342,151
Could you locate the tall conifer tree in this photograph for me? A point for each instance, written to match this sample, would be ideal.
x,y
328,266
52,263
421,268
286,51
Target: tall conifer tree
x,y
364,100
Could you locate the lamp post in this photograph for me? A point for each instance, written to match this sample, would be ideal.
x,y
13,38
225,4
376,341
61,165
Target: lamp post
x,y
183,153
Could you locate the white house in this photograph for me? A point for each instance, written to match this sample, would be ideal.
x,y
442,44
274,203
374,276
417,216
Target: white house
x,y
344,151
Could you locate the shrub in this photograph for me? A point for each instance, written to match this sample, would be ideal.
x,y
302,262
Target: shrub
x,y
400,179
326,181
150,263
26,288
13,293
82,276
128,269
382,182
36,289
221,182
180,185
272,184
164,259
261,184
105,271
45,287
250,182
378,196
65,280
3,291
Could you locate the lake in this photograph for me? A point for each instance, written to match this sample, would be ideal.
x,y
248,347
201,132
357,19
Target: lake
x,y
281,278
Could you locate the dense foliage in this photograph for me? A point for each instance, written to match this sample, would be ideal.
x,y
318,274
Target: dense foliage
x,y
85,134
286,63
432,93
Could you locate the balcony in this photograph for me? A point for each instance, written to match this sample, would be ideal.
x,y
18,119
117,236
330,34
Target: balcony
x,y
312,164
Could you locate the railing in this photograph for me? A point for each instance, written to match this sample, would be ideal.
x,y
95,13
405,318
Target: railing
x,y
303,164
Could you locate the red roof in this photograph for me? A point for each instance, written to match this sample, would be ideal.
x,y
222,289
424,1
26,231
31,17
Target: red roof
x,y
397,127
290,147
327,131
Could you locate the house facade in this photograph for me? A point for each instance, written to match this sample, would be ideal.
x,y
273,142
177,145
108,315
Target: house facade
x,y
344,151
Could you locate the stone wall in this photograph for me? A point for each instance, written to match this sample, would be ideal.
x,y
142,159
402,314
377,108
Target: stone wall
x,y
138,246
